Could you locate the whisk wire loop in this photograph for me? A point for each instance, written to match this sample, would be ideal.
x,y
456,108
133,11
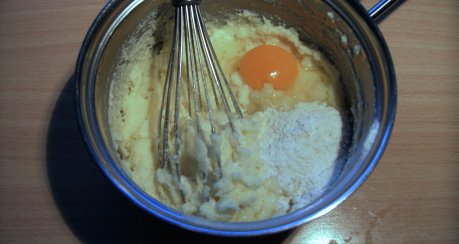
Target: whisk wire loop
x,y
193,62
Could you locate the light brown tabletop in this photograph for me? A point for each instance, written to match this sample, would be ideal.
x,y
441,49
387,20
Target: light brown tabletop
x,y
51,191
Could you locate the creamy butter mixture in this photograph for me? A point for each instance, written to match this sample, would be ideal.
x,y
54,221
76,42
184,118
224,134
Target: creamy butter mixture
x,y
283,155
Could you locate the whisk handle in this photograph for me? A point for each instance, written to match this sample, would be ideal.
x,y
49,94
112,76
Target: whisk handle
x,y
178,3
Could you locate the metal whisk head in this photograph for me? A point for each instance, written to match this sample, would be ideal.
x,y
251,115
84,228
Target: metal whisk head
x,y
193,69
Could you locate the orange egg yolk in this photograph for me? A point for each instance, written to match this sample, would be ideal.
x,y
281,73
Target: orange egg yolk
x,y
267,63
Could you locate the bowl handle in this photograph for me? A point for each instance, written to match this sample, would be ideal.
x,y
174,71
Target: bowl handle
x,y
383,8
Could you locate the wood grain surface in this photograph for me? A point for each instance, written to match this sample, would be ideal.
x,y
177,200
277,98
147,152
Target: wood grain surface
x,y
52,192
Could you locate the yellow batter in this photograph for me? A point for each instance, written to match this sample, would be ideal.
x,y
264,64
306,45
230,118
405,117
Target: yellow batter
x,y
283,155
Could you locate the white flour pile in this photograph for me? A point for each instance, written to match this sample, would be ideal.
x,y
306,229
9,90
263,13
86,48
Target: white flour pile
x,y
300,147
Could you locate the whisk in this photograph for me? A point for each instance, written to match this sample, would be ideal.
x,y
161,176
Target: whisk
x,y
193,69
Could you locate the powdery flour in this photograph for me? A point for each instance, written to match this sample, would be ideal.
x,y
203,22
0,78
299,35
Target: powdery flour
x,y
300,147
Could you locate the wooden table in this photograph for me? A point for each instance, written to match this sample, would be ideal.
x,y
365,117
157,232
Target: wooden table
x,y
52,192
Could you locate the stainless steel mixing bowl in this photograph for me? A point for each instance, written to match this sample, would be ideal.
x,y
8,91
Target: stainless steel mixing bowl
x,y
341,29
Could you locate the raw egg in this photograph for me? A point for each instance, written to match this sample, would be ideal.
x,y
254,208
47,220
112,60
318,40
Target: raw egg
x,y
268,63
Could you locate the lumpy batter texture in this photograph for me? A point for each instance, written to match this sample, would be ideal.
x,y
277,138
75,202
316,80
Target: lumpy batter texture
x,y
283,154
